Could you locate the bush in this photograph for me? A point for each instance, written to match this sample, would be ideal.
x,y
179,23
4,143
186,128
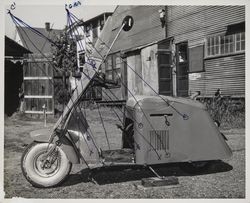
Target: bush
x,y
229,112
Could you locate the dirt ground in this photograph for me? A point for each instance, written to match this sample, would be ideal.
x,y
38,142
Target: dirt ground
x,y
225,179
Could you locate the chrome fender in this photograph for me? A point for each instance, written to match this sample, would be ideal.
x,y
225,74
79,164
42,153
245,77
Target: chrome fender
x,y
43,135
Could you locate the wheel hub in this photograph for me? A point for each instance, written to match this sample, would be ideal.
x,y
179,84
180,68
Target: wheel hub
x,y
46,165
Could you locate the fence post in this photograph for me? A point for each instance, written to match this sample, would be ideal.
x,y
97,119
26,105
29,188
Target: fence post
x,y
44,115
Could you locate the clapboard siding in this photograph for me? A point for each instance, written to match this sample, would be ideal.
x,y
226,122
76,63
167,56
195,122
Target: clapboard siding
x,y
198,22
227,73
176,12
146,29
198,85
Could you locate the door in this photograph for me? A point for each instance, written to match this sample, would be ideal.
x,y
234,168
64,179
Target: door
x,y
182,69
165,72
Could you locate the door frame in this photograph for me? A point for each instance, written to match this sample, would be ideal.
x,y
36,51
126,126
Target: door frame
x,y
177,67
167,49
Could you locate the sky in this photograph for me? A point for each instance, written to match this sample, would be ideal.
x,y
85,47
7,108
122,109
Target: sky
x,y
37,15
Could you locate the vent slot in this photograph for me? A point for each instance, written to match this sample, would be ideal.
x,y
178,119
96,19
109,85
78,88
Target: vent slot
x,y
159,139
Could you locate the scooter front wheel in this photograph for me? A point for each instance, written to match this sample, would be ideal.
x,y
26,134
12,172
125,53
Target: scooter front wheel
x,y
45,166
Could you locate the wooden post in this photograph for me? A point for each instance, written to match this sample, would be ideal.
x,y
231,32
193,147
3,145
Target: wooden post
x,y
45,115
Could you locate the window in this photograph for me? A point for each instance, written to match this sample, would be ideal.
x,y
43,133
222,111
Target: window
x,y
87,30
101,24
225,44
113,67
81,59
196,56
240,41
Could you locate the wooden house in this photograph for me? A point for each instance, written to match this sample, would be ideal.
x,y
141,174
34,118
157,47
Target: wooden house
x,y
13,75
176,50
86,34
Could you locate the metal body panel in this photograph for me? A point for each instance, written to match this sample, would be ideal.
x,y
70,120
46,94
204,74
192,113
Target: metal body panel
x,y
80,132
194,139
43,135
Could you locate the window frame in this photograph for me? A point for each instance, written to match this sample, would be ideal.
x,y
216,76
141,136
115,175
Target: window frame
x,y
110,70
210,44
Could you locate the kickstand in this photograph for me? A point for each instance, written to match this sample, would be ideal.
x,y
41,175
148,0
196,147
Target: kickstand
x,y
154,172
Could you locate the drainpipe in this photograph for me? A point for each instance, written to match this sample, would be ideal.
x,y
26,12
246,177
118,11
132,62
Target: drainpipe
x,y
166,21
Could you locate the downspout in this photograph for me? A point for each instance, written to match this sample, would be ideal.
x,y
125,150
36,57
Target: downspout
x,y
166,20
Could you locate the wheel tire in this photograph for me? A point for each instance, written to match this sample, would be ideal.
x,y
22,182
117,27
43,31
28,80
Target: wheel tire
x,y
195,167
31,164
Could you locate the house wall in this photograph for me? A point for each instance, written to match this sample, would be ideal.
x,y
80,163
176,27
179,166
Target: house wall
x,y
135,44
150,69
146,29
13,78
134,64
194,24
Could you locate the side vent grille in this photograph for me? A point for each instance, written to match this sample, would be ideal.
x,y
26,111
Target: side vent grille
x,y
159,139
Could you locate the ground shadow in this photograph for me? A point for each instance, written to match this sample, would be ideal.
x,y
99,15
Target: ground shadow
x,y
118,174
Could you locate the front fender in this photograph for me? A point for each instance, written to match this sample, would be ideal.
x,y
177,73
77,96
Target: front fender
x,y
43,135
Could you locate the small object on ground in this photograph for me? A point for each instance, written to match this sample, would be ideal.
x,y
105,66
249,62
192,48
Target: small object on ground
x,y
156,181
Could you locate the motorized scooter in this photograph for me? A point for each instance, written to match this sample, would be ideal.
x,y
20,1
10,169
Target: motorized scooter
x,y
156,130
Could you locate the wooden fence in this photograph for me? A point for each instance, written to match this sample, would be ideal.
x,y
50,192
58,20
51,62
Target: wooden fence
x,y
38,84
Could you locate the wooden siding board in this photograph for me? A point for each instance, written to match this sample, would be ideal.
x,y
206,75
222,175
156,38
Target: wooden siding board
x,y
146,29
176,12
208,20
225,74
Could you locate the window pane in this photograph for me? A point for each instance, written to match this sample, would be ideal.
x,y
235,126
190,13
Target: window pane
x,y
243,36
212,50
109,75
164,58
237,46
231,47
217,50
212,42
81,59
226,48
222,49
117,73
238,37
243,45
182,53
109,63
117,62
208,42
208,51
231,38
217,40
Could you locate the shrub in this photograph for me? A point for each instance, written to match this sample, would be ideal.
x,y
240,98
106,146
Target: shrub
x,y
229,112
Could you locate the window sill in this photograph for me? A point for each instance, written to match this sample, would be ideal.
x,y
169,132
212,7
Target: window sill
x,y
224,55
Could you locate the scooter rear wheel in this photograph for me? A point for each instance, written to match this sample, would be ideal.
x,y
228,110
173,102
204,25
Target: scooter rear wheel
x,y
43,170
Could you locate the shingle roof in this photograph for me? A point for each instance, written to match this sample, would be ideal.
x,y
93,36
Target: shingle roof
x,y
34,42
